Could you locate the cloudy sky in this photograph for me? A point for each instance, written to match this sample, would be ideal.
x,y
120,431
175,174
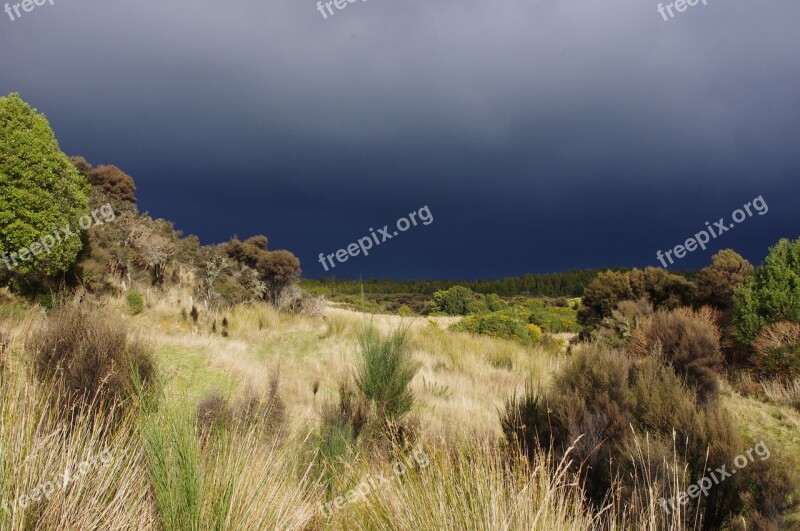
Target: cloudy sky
x,y
542,134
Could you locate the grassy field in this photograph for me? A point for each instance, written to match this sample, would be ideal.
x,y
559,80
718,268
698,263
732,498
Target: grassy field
x,y
159,475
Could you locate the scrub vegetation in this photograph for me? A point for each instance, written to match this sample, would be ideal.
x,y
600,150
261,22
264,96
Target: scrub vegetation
x,y
150,382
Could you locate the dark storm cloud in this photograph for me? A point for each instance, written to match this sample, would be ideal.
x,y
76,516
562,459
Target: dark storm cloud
x,y
542,134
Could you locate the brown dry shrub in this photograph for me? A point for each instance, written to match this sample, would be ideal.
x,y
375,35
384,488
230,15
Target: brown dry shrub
x,y
213,414
616,331
777,350
690,341
265,412
350,413
91,356
613,402
778,334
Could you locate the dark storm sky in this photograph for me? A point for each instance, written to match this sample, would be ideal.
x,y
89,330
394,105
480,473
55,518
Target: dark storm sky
x,y
542,134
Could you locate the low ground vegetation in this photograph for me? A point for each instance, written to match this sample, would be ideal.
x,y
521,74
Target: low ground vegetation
x,y
150,382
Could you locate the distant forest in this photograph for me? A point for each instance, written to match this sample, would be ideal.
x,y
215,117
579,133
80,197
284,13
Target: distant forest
x,y
566,284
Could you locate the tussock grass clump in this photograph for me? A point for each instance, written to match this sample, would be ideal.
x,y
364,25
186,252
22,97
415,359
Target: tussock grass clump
x,y
87,474
474,487
265,412
213,414
91,355
385,370
335,442
335,326
135,302
172,452
227,478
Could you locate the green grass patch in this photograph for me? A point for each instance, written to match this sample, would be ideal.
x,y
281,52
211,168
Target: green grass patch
x,y
188,375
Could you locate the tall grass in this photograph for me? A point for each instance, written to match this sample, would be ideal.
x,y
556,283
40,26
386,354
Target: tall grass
x,y
474,486
241,475
173,463
43,481
163,474
251,483
783,393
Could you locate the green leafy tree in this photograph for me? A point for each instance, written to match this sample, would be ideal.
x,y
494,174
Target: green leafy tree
x,y
771,294
454,301
41,193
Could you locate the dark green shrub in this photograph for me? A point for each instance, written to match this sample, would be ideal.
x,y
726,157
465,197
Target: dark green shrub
x,y
501,325
602,295
661,288
135,302
494,303
454,301
716,284
39,190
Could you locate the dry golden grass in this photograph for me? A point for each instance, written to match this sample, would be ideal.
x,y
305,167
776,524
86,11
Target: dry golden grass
x,y
473,375
243,482
77,477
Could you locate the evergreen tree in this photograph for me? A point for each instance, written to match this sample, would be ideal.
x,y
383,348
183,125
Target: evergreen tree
x,y
771,294
41,194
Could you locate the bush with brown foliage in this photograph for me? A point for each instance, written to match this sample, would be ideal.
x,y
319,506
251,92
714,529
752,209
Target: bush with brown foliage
x,y
662,289
617,330
349,414
777,351
689,340
278,270
602,401
715,285
91,356
264,413
213,414
117,185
